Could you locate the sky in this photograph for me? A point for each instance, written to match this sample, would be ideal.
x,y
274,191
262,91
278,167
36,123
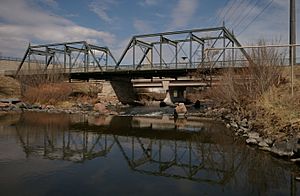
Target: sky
x,y
113,22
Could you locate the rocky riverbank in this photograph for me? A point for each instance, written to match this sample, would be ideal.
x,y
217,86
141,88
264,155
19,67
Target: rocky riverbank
x,y
284,144
78,108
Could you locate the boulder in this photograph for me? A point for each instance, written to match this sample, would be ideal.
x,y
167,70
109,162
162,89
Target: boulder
x,y
244,122
268,141
168,100
253,135
162,104
251,141
100,107
4,105
263,144
284,148
234,125
197,104
180,110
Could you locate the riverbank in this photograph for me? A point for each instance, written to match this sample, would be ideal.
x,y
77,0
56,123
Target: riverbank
x,y
284,145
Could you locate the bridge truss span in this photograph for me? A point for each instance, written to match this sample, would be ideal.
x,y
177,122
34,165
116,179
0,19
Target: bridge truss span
x,y
178,49
66,57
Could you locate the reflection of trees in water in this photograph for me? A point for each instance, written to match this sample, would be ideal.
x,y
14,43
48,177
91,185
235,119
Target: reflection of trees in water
x,y
207,156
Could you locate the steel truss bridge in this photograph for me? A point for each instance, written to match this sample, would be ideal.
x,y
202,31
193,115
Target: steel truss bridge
x,y
167,54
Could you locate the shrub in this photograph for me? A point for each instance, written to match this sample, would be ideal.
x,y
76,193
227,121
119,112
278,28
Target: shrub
x,y
238,87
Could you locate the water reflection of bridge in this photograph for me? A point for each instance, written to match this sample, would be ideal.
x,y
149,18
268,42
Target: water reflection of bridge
x,y
204,155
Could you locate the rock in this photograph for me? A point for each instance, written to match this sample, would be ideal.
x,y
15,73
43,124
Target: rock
x,y
263,144
162,104
295,160
100,107
168,99
251,141
228,125
265,148
244,122
223,111
234,125
268,141
245,130
49,107
10,100
36,106
197,104
4,105
284,148
253,135
227,117
21,105
180,110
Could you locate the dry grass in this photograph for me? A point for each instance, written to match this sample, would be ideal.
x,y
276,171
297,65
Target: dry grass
x,y
48,93
280,112
262,92
9,87
243,86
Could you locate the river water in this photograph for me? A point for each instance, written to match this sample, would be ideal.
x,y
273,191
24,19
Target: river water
x,y
61,154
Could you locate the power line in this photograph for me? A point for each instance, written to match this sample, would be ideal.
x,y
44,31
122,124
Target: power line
x,y
262,11
223,15
247,14
236,10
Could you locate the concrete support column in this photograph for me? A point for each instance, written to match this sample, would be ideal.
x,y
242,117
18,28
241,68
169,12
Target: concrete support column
x,y
124,90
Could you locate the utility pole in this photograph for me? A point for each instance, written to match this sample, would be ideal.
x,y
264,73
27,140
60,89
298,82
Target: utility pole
x,y
292,40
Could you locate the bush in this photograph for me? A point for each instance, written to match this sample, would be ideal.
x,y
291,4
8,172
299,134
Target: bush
x,y
244,85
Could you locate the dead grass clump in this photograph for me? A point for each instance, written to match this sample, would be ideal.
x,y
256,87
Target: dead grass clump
x,y
48,93
279,110
9,87
240,87
38,77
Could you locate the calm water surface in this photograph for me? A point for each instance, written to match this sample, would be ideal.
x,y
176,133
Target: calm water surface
x,y
59,154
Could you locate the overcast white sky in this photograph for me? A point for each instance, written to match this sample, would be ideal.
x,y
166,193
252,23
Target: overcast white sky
x,y
112,22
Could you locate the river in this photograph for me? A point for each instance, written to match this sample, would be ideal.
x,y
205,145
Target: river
x,y
62,154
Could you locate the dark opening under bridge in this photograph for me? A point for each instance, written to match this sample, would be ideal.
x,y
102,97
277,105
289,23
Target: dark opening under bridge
x,y
168,54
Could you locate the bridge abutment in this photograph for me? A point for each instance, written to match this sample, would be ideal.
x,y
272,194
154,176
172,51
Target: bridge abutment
x,y
124,90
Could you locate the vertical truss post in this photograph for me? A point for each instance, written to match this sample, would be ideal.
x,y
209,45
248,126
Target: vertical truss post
x,y
202,54
87,60
53,61
70,61
46,56
151,58
176,55
106,60
65,58
232,53
133,53
160,51
191,49
224,51
29,59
